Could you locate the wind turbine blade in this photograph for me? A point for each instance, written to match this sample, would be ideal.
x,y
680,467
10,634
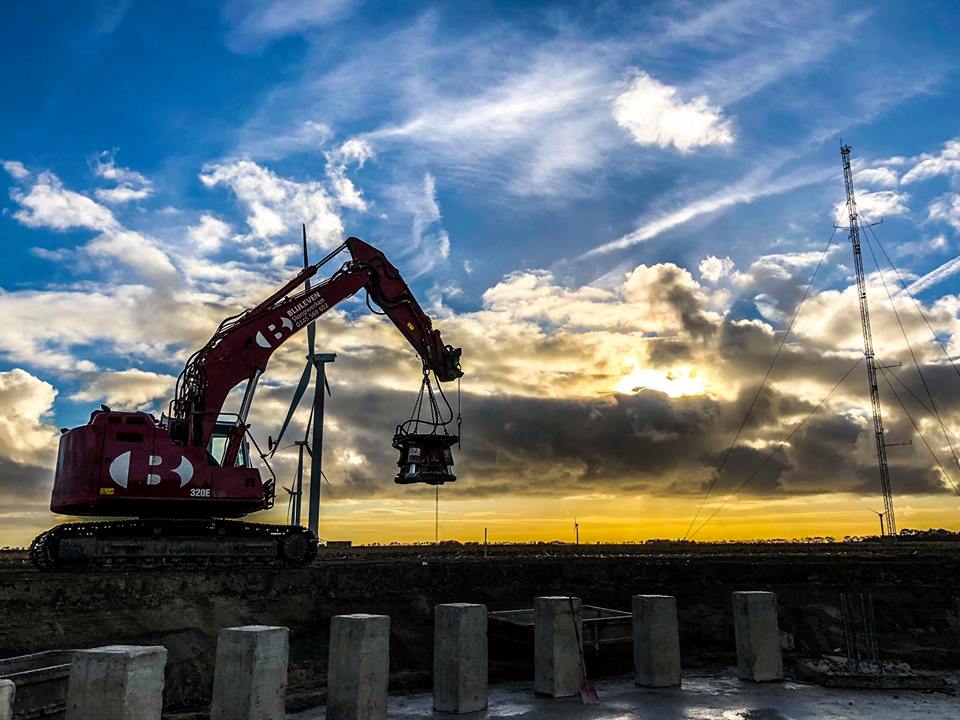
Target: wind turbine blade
x,y
306,434
311,328
305,261
326,384
297,394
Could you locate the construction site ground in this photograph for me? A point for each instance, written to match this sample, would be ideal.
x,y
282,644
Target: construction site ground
x,y
914,589
702,697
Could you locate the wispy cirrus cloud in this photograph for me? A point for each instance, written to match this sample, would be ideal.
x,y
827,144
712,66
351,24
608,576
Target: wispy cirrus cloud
x,y
936,276
253,24
429,242
549,121
538,118
756,184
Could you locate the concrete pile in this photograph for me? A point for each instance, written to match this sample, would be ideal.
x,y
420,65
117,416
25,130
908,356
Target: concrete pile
x,y
121,682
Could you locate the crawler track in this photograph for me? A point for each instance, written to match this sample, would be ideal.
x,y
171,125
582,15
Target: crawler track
x,y
166,543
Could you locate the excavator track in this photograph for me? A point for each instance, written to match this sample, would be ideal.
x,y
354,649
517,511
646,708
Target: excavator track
x,y
168,543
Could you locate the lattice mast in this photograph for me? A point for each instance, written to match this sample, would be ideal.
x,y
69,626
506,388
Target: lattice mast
x,y
854,229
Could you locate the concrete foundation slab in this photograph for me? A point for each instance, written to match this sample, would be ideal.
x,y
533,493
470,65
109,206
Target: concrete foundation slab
x,y
250,679
460,658
7,692
557,646
656,641
359,667
705,696
758,637
116,682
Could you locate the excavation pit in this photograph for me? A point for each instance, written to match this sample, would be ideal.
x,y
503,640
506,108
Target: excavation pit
x,y
913,584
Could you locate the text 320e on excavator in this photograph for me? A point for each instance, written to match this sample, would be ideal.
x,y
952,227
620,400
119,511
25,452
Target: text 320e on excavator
x,y
184,475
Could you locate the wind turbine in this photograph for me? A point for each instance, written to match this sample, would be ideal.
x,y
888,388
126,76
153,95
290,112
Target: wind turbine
x,y
312,446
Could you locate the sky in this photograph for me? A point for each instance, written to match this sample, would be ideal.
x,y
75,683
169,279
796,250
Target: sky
x,y
613,208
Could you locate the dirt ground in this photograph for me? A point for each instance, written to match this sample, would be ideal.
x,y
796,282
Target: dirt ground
x,y
914,587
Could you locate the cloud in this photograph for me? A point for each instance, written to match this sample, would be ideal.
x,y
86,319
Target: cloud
x,y
731,23
209,235
134,250
131,185
541,108
429,242
875,205
713,269
879,177
771,43
575,388
122,194
127,389
49,204
754,185
935,276
620,391
16,169
254,24
57,328
352,151
277,206
28,451
107,168
307,137
946,208
654,115
26,403
946,162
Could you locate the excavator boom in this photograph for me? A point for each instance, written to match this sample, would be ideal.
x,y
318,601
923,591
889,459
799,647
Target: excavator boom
x,y
242,345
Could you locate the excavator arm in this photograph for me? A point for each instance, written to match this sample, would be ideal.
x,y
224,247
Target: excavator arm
x,y
240,349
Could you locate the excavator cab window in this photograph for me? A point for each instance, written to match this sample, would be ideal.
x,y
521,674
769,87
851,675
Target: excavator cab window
x,y
218,445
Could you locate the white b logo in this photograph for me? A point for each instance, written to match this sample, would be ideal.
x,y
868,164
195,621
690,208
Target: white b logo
x,y
262,341
120,470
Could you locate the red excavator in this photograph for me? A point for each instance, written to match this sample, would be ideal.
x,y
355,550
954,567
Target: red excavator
x,y
183,475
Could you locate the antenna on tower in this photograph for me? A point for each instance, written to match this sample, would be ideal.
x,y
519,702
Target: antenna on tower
x,y
854,231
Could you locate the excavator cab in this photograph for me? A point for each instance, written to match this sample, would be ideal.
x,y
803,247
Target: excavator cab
x,y
223,431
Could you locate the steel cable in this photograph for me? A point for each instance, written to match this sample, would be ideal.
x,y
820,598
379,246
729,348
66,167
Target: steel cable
x,y
778,448
763,383
913,355
916,427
